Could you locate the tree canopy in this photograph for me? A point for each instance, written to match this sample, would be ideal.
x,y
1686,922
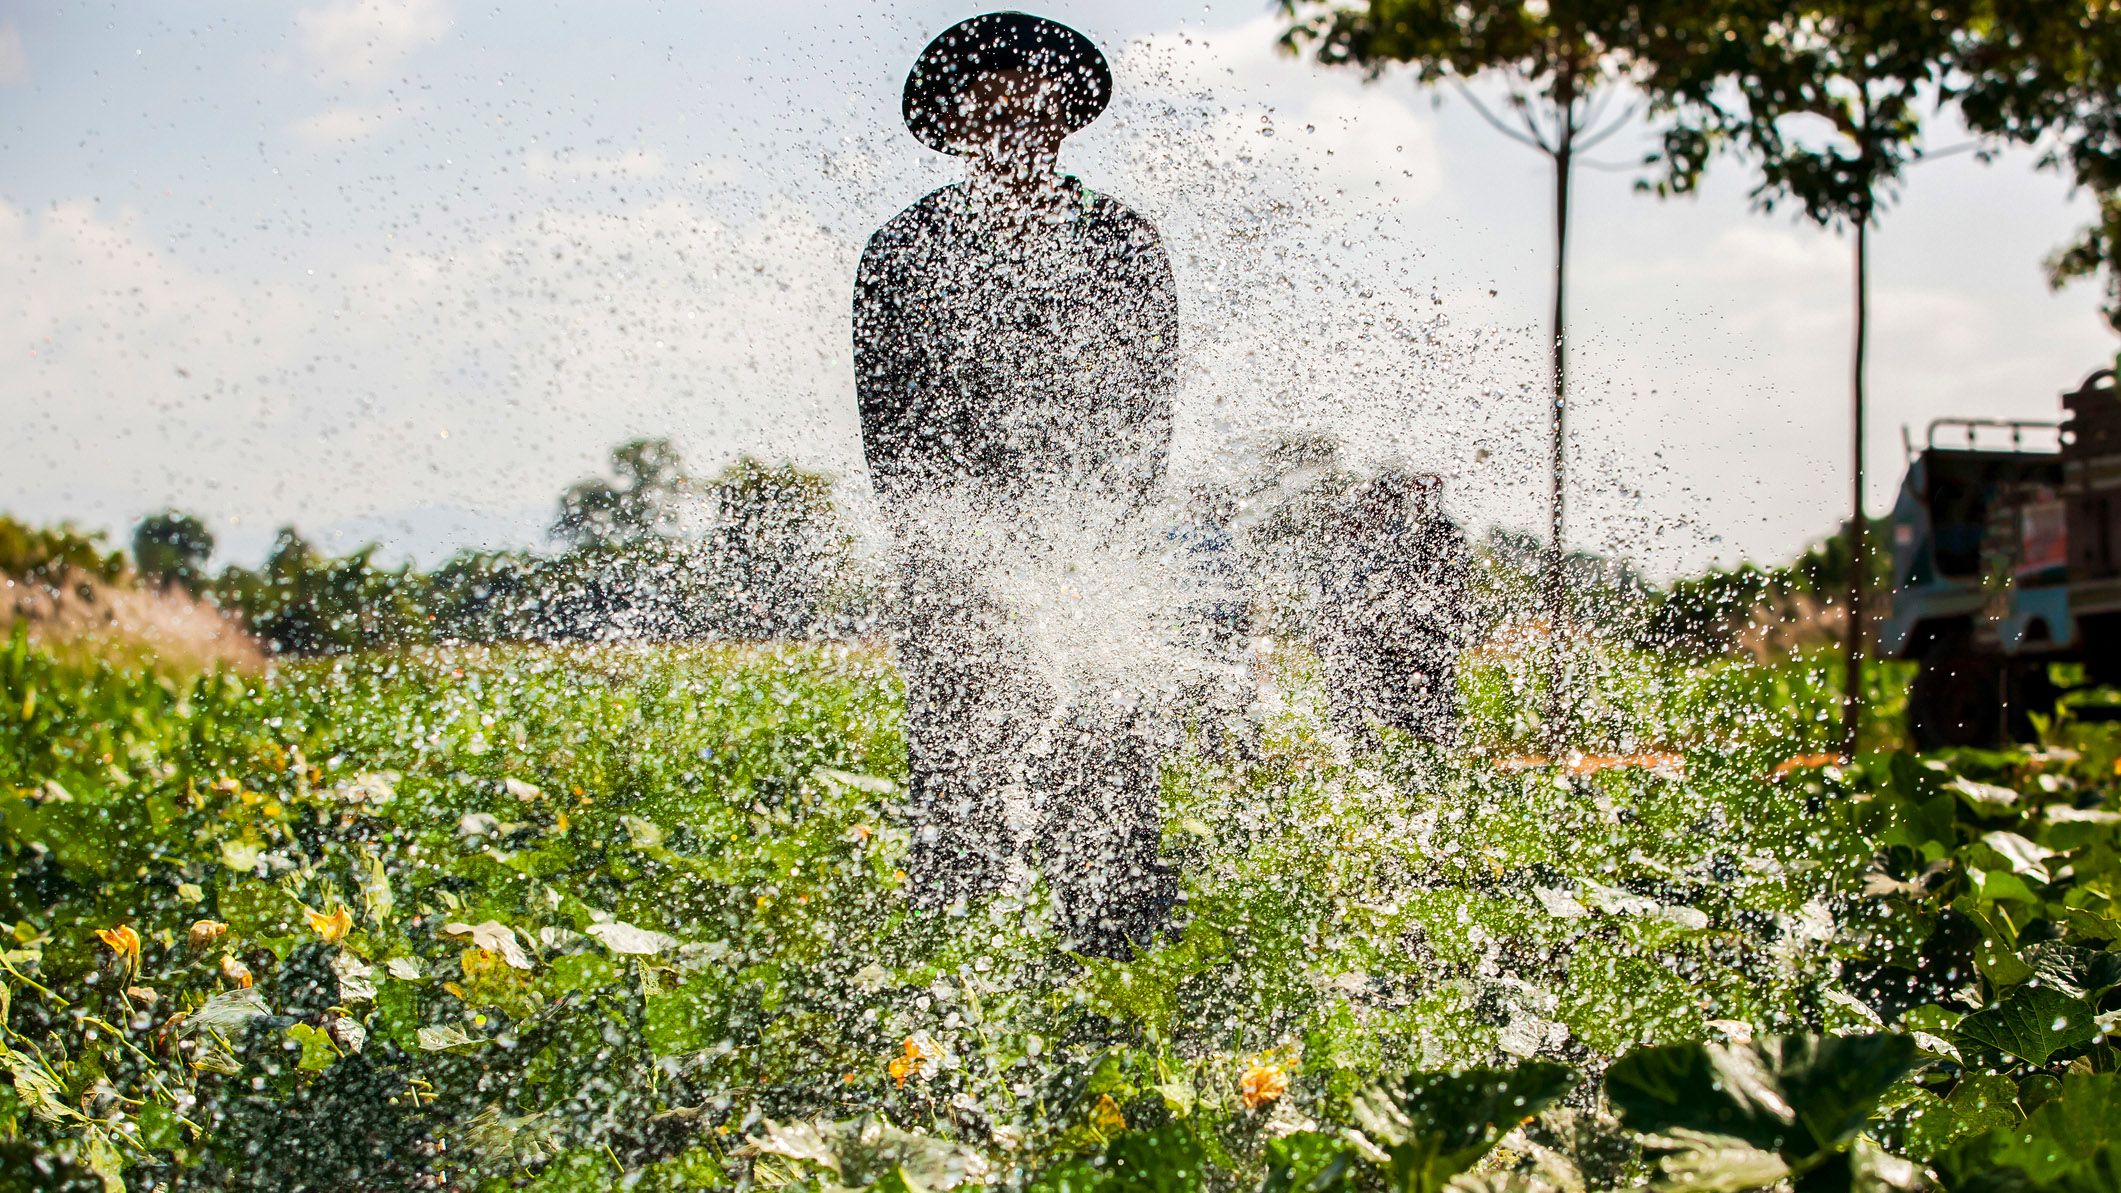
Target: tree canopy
x,y
171,548
2048,75
642,502
1826,100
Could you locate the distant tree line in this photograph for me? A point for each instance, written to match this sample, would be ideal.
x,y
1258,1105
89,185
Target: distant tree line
x,y
55,555
1721,609
758,551
761,551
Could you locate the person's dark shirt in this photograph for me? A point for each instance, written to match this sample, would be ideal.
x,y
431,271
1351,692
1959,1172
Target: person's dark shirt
x,y
998,352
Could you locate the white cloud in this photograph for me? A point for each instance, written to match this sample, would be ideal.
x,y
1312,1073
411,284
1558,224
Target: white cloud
x,y
14,60
474,382
1229,117
637,163
343,124
365,39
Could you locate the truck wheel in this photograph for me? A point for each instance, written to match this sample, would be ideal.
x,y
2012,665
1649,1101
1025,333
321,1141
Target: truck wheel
x,y
2028,690
1957,696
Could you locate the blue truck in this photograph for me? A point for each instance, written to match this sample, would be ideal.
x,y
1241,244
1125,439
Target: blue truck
x,y
2006,558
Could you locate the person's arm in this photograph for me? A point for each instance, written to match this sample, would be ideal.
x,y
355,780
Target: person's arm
x,y
882,380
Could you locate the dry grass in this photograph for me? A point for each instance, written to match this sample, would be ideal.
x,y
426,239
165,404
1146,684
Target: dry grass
x,y
169,628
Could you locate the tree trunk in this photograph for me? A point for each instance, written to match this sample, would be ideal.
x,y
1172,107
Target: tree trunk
x,y
1559,706
1852,699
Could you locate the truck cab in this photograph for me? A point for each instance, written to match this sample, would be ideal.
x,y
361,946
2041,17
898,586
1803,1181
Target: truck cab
x,y
2004,542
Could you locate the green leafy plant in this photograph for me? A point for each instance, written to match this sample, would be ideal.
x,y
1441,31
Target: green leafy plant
x,y
1742,1115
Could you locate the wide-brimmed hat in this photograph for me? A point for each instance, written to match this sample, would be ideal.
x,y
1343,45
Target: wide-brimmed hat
x,y
1003,41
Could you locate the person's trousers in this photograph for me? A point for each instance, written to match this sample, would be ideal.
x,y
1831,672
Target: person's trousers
x,y
999,760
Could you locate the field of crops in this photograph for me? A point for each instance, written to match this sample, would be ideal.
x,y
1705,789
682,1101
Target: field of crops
x,y
633,918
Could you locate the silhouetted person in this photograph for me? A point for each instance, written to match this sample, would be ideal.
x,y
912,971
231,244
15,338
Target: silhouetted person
x,y
1015,338
1392,616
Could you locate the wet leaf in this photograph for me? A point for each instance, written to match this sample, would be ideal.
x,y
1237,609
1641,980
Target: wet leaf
x,y
1983,797
1433,1126
493,936
2077,972
1699,1162
319,1052
2032,1023
2024,856
36,1088
357,980
1800,1096
447,1037
376,895
627,940
226,1012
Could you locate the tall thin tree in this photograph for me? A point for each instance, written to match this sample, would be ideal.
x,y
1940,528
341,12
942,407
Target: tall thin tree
x,y
1826,101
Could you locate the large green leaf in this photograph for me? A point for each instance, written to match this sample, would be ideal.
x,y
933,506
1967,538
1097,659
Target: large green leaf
x,y
1307,1162
1167,1160
1803,1096
2074,970
1433,1126
2069,1143
866,1150
2032,1023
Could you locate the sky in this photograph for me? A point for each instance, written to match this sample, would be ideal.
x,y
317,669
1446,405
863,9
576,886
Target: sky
x,y
398,271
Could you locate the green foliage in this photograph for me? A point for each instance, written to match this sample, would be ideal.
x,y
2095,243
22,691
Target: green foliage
x,y
1716,613
1432,1126
1801,1098
1556,54
2049,76
302,602
1826,101
643,503
642,901
2032,1023
632,916
774,560
2070,1142
49,555
779,554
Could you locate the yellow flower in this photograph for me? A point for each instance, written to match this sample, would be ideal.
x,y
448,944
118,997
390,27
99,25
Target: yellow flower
x,y
124,943
235,971
911,1062
205,933
1105,1117
1265,1080
334,927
